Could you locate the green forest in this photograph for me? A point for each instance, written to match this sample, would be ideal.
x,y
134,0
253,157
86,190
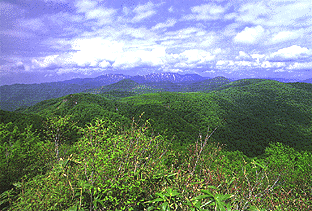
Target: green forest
x,y
213,145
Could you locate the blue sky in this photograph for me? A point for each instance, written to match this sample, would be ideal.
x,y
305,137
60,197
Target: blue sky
x,y
50,40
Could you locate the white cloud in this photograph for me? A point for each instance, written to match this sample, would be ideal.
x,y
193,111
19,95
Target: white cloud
x,y
293,52
245,63
223,64
20,65
294,13
85,5
257,57
104,64
61,18
210,71
140,16
250,35
96,49
300,66
276,13
122,44
99,13
126,10
175,70
143,8
208,40
267,64
254,12
157,57
182,33
168,23
143,12
230,16
205,12
127,60
135,58
280,70
137,32
90,53
229,64
44,62
195,55
184,65
217,51
92,11
285,36
243,56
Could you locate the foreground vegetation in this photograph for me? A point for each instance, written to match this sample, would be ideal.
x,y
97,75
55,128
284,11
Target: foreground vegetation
x,y
109,168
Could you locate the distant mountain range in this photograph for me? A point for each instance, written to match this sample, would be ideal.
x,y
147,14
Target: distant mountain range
x,y
307,81
153,83
24,95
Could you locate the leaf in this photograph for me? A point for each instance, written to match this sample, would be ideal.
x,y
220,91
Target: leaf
x,y
208,193
200,197
165,206
150,208
73,208
223,197
156,200
211,186
254,208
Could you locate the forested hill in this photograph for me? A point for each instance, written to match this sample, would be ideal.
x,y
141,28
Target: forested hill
x,y
122,150
25,95
257,112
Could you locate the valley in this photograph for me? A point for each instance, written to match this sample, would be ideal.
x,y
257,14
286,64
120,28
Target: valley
x,y
250,121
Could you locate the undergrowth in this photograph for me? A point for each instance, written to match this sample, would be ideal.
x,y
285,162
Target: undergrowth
x,y
130,170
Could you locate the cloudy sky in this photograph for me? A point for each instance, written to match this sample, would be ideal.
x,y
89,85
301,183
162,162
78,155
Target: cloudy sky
x,y
50,40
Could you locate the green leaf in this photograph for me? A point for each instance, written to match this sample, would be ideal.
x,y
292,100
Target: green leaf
x,y
165,206
207,192
156,200
200,197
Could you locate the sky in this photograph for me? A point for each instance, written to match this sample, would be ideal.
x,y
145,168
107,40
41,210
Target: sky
x,y
52,40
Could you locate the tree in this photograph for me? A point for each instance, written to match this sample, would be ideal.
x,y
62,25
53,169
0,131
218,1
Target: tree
x,y
60,130
22,153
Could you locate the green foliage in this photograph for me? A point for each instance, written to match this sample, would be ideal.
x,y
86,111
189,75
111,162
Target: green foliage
x,y
256,114
170,199
22,154
60,130
90,154
104,171
296,164
249,127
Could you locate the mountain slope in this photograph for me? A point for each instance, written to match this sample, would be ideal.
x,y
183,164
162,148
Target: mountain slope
x,y
172,77
265,112
207,85
256,114
307,81
24,95
123,85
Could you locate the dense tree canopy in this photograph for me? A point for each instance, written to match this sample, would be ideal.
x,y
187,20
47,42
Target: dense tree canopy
x,y
124,150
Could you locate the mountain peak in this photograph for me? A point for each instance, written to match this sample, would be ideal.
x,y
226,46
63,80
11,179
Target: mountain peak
x,y
168,76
